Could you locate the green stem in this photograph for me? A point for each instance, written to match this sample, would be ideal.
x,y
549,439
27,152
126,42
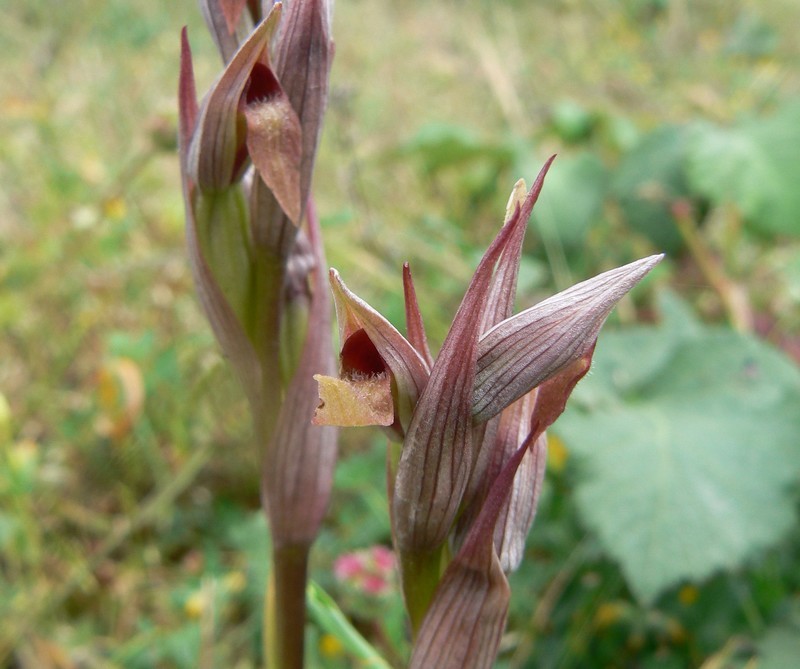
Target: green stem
x,y
264,327
285,607
420,575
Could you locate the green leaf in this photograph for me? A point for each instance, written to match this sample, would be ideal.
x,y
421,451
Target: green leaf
x,y
329,617
754,165
571,121
687,443
649,180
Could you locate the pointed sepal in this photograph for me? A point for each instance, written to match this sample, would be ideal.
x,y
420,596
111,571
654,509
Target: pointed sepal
x,y
525,350
415,328
500,305
187,105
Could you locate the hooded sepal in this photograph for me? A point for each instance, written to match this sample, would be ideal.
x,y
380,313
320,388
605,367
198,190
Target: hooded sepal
x,y
372,346
217,155
303,56
525,350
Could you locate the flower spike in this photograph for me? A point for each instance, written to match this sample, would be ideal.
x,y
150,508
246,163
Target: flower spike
x,y
473,423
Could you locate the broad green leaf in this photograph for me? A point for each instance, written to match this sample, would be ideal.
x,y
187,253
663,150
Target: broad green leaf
x,y
572,121
649,180
754,165
686,445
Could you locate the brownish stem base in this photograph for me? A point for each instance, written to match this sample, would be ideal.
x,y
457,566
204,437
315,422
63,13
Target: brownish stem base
x,y
285,607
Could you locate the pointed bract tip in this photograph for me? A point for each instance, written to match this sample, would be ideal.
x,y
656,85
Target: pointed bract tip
x,y
187,99
639,268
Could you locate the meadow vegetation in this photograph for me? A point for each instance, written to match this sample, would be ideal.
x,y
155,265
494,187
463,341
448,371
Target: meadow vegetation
x,y
668,534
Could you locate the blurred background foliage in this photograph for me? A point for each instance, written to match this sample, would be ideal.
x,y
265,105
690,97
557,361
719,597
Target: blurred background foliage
x,y
668,536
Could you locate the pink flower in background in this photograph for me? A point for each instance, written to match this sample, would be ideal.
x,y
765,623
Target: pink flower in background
x,y
370,571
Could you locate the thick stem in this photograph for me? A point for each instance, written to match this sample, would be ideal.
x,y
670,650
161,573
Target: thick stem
x,y
285,607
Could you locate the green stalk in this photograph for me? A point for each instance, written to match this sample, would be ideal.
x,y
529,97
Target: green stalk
x,y
420,575
263,324
285,608
285,600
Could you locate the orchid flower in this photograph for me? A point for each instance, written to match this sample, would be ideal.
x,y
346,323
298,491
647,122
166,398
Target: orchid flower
x,y
471,425
247,155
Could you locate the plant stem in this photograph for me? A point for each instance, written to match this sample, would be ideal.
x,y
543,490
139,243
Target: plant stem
x,y
285,607
420,576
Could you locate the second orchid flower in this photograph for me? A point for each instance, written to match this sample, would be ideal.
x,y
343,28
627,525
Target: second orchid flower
x,y
465,482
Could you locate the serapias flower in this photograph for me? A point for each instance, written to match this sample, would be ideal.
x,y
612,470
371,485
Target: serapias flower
x,y
498,382
247,152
